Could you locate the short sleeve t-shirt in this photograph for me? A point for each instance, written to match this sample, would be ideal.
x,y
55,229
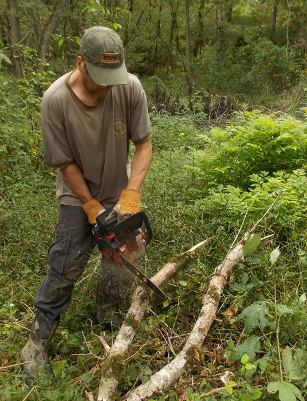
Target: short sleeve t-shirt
x,y
95,137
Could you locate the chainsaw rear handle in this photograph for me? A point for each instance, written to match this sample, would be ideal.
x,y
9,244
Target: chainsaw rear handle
x,y
105,227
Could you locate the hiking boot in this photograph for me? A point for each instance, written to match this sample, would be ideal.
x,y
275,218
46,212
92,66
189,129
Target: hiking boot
x,y
34,355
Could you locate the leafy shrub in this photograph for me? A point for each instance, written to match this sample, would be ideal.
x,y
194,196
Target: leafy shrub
x,y
256,143
20,138
285,191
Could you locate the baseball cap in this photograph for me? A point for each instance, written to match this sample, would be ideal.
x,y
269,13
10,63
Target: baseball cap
x,y
103,52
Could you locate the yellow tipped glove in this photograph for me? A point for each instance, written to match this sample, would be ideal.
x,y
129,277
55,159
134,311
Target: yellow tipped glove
x,y
93,208
128,204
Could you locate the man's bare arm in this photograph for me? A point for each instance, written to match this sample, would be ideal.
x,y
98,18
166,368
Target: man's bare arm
x,y
140,165
75,179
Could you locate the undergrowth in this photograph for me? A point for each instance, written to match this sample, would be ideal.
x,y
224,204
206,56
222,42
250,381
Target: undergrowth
x,y
203,182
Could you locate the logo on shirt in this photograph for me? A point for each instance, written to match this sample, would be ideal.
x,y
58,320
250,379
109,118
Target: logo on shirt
x,y
119,128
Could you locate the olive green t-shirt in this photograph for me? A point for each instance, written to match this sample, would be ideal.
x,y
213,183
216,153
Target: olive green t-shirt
x,y
95,137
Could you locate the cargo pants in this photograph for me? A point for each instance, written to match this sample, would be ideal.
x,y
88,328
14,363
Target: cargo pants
x,y
68,256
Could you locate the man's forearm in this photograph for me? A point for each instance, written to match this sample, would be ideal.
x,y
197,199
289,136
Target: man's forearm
x,y
140,165
75,179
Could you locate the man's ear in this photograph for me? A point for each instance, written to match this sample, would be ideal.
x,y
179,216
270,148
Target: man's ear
x,y
80,63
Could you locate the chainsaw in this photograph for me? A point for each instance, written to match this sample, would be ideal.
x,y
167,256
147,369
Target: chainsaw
x,y
122,243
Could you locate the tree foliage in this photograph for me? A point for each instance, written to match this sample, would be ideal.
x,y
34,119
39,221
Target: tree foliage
x,y
230,46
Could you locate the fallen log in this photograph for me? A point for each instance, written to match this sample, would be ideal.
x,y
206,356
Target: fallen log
x,y
113,366
171,373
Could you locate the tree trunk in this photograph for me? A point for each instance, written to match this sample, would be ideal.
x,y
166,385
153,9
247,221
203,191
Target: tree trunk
x,y
14,36
200,36
274,19
65,35
36,26
187,30
219,21
228,12
153,57
48,30
126,40
174,6
188,71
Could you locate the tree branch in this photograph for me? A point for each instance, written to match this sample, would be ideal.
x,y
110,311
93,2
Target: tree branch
x,y
114,363
171,373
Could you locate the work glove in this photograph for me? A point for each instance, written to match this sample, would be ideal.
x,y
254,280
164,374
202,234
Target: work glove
x,y
92,208
128,204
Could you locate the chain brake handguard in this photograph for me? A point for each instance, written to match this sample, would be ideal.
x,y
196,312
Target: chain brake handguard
x,y
124,230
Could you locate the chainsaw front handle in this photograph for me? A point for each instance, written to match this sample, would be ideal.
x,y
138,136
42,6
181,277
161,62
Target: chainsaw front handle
x,y
148,228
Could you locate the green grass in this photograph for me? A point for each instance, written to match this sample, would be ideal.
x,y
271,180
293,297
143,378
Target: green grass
x,y
185,205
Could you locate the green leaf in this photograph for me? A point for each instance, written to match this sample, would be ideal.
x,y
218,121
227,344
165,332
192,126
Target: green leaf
x,y
255,315
86,377
230,345
5,58
145,379
250,366
287,391
283,310
287,360
255,394
228,388
262,363
294,365
250,347
69,392
274,256
57,366
244,359
243,285
132,372
251,244
170,320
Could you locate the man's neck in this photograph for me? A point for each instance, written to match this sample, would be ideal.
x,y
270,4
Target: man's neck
x,y
77,86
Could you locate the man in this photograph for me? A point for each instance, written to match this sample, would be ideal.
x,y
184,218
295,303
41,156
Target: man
x,y
88,118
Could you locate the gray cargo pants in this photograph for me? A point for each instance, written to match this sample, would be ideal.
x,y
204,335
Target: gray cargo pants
x,y
68,256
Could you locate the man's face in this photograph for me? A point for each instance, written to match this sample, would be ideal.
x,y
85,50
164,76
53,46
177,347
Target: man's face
x,y
89,84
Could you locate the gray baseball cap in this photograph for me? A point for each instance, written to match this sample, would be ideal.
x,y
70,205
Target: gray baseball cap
x,y
103,52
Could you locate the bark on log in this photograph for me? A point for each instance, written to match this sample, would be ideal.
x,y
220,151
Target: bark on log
x,y
113,366
171,373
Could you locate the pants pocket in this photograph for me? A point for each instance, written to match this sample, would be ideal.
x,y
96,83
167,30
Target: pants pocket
x,y
59,250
